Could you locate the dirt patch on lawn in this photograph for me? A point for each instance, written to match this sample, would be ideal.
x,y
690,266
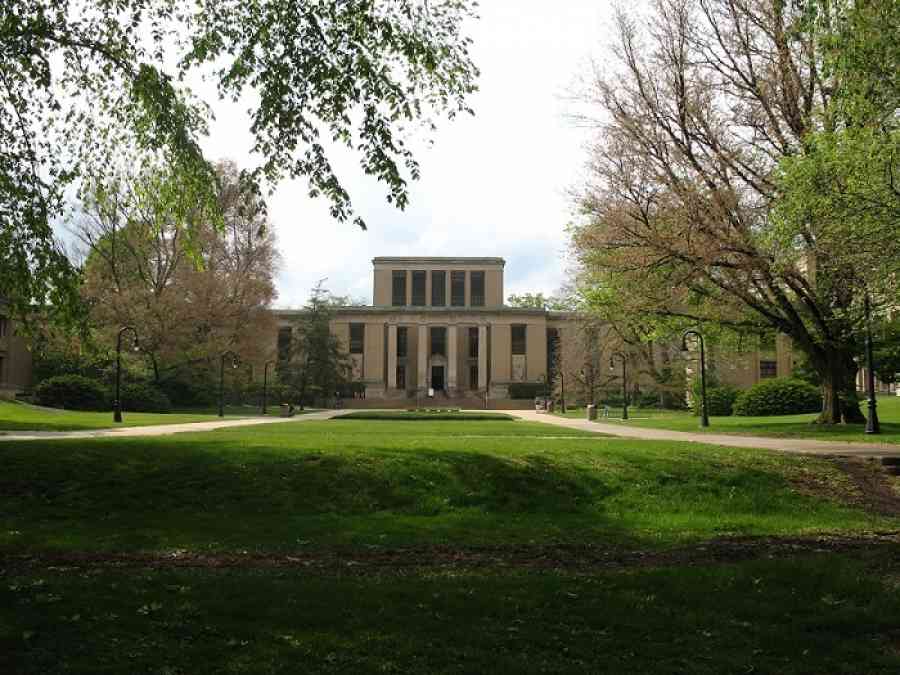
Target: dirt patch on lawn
x,y
526,557
862,483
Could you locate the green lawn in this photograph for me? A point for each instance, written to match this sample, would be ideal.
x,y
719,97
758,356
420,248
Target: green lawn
x,y
16,416
348,491
424,415
782,426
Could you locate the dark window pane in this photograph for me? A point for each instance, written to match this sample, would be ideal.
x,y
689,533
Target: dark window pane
x,y
768,369
284,344
518,339
398,288
401,376
477,289
418,288
438,288
473,376
357,337
439,341
458,289
473,342
402,341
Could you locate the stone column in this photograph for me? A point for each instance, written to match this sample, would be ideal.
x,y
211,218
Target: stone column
x,y
451,360
392,357
423,356
482,357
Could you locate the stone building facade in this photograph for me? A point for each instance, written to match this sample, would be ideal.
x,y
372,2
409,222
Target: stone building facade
x,y
439,325
15,358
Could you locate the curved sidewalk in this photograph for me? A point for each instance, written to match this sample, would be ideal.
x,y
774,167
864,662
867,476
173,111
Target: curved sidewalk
x,y
794,445
163,429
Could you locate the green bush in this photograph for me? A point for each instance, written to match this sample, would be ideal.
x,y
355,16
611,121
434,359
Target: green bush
x,y
719,400
73,392
782,396
143,397
527,389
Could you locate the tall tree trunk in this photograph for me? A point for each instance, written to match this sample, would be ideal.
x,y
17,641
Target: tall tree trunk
x,y
840,402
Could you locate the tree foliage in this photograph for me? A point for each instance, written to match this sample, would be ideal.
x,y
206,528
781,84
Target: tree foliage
x,y
88,85
689,217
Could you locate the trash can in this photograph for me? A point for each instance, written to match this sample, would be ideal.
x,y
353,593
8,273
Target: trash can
x,y
287,410
592,413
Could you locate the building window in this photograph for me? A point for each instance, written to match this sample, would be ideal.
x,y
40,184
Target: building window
x,y
473,376
438,341
402,342
284,344
357,337
438,288
401,376
768,369
473,342
476,286
518,340
418,288
458,289
398,288
3,325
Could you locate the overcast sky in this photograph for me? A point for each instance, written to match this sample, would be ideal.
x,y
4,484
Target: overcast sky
x,y
492,185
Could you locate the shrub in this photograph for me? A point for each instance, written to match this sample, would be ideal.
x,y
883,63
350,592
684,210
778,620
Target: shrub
x,y
142,397
74,392
527,389
719,400
782,396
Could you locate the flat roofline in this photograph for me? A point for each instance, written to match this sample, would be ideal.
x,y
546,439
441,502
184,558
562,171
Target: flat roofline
x,y
437,260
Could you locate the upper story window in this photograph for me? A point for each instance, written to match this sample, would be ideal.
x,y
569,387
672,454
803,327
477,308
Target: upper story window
x,y
357,337
402,341
518,339
458,289
398,288
438,341
438,288
476,288
418,288
284,344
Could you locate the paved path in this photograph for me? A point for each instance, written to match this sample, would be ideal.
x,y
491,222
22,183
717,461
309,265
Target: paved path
x,y
164,429
794,445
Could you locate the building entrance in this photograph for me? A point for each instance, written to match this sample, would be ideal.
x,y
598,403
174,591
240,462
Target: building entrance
x,y
437,378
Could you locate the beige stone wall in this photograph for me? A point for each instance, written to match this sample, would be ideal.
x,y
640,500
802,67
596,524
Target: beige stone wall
x,y
374,352
492,268
536,350
382,286
501,357
16,369
493,288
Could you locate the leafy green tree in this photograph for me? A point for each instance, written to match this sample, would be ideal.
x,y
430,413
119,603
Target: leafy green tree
x,y
886,352
90,86
540,301
318,364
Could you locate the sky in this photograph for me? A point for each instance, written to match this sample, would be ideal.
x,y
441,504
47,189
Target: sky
x,y
494,184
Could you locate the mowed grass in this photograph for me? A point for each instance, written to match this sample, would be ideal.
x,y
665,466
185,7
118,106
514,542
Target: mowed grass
x,y
283,487
835,614
781,426
16,416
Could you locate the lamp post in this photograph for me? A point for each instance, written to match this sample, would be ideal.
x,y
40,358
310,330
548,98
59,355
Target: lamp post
x,y
234,364
704,416
117,404
265,400
623,359
872,425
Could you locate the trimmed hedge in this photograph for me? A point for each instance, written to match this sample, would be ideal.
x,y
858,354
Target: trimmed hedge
x,y
73,392
142,397
780,396
719,401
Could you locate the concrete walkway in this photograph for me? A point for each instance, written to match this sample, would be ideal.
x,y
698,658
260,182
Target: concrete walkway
x,y
794,445
164,429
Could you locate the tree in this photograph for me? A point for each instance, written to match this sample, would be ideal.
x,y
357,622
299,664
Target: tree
x,y
317,363
138,273
682,221
559,302
886,354
87,85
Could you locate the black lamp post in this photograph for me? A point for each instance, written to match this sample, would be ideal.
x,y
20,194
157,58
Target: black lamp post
x,y
704,416
265,400
872,425
623,359
117,404
234,364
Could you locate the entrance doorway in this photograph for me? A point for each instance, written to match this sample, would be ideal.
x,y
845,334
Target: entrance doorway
x,y
437,378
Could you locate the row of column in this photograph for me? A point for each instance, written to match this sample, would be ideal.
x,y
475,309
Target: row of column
x,y
423,348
